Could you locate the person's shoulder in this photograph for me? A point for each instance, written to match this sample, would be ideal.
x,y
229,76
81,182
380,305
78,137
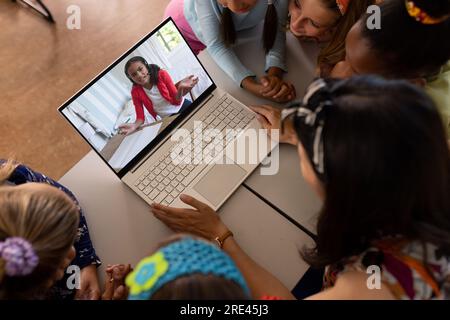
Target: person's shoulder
x,y
136,91
194,4
353,285
136,88
19,173
163,74
207,5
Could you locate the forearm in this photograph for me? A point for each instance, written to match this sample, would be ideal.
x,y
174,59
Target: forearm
x,y
260,281
179,94
250,84
85,252
275,71
179,91
223,55
139,122
276,57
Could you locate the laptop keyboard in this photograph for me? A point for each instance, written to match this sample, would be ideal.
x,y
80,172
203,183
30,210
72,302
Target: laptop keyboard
x,y
164,181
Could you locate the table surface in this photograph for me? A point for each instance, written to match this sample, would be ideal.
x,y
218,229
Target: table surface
x,y
123,230
287,190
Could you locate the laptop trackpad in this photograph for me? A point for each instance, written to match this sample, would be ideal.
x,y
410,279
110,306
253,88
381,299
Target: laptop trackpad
x,y
219,181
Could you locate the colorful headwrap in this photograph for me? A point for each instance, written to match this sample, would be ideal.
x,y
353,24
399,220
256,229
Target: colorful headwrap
x,y
17,257
309,118
421,16
181,258
343,5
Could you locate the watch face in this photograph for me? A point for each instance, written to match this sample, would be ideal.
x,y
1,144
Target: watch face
x,y
221,239
219,243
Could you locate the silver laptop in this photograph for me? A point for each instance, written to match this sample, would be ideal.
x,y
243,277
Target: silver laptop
x,y
205,147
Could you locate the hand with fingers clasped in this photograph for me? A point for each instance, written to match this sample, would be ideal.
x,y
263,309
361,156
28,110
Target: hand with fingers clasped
x,y
270,119
275,89
201,220
90,289
115,288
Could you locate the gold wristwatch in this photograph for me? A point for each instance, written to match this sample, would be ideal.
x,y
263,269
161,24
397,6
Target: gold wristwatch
x,y
221,239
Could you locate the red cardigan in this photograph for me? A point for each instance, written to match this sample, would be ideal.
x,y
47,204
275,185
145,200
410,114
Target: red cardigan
x,y
165,86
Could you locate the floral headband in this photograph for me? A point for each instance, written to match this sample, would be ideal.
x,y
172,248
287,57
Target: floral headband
x,y
421,16
17,257
177,259
309,119
343,6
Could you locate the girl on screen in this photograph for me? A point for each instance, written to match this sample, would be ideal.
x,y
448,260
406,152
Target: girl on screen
x,y
154,89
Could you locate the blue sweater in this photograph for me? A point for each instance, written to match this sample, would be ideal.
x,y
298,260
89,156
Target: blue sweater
x,y
204,18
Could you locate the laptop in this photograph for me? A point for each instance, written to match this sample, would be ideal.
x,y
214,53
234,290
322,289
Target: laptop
x,y
206,148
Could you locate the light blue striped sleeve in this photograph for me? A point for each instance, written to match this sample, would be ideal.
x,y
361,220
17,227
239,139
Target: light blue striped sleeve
x,y
223,56
276,57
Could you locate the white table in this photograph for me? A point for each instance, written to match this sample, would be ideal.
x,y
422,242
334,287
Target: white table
x,y
123,230
287,190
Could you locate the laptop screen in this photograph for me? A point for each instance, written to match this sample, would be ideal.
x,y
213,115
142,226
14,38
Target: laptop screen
x,y
136,101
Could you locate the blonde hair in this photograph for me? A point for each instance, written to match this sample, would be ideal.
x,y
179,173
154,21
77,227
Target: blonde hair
x,y
46,218
334,51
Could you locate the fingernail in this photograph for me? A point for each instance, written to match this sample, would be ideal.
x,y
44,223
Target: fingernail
x,y
184,196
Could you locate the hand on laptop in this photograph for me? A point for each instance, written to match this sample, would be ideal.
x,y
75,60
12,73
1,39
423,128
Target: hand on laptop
x,y
202,220
270,119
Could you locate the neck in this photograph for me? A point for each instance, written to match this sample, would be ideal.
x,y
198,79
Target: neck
x,y
148,85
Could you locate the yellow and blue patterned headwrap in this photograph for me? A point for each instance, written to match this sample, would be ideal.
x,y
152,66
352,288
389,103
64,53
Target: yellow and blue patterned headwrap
x,y
177,259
